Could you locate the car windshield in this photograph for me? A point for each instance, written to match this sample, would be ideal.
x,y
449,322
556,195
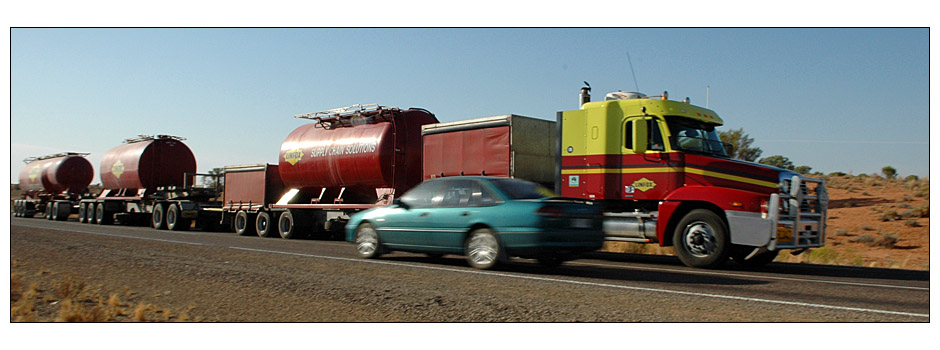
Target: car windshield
x,y
518,189
695,137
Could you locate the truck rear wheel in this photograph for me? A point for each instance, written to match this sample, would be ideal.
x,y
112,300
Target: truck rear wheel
x,y
48,213
701,239
157,220
175,220
61,211
244,223
263,224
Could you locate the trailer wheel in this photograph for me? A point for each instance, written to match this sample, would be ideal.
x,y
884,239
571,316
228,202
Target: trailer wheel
x,y
286,226
175,220
263,224
61,211
90,214
102,216
157,220
81,212
701,239
48,213
244,225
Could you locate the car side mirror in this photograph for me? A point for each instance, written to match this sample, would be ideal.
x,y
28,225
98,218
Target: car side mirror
x,y
400,203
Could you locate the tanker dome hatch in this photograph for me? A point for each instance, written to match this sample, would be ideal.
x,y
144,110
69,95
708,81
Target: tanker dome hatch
x,y
142,138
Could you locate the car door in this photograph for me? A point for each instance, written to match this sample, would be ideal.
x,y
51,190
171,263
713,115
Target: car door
x,y
460,207
405,227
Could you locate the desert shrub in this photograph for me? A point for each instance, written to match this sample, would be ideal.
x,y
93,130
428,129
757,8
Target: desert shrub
x,y
923,211
888,215
911,178
905,206
866,228
866,238
911,223
908,214
887,240
837,173
841,232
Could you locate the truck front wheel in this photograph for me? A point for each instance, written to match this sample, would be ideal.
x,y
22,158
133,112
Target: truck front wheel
x,y
701,239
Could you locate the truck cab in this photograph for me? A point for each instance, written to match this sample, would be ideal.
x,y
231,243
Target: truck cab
x,y
663,175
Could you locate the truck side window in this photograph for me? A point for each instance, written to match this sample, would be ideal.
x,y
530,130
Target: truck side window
x,y
628,135
655,141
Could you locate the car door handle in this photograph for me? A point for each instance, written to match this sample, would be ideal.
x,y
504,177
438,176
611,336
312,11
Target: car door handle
x,y
425,214
466,213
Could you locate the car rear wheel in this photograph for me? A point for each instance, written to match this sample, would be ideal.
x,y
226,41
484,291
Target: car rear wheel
x,y
483,249
367,242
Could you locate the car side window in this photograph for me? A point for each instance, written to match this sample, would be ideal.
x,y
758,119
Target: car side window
x,y
456,193
423,195
480,196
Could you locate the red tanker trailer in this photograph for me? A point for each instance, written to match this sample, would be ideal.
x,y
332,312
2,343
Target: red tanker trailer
x,y
53,185
349,159
151,177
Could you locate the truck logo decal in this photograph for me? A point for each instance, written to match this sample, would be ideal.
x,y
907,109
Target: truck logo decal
x,y
117,169
346,146
644,184
33,173
293,156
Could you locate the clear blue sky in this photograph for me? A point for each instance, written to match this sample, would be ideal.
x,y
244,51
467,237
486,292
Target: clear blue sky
x,y
851,100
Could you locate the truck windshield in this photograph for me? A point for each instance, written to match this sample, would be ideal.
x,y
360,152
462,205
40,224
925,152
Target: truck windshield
x,y
695,137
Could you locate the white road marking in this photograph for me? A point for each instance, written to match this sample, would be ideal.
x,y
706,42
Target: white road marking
x,y
595,284
727,274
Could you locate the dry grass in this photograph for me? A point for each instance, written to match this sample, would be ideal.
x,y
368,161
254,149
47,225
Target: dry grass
x,y
70,299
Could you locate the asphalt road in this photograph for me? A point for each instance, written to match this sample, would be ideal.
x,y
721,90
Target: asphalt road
x,y
232,278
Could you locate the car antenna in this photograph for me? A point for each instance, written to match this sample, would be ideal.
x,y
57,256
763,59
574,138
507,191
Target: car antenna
x,y
635,84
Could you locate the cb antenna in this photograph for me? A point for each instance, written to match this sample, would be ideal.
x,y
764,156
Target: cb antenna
x,y
635,84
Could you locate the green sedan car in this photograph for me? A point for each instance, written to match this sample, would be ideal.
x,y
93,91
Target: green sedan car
x,y
487,219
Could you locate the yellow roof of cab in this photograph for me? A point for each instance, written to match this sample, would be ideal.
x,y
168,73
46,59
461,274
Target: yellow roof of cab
x,y
659,107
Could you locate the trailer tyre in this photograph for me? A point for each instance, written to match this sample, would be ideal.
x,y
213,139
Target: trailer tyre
x,y
48,213
62,210
287,226
82,207
244,225
175,220
263,224
102,216
90,214
701,239
157,220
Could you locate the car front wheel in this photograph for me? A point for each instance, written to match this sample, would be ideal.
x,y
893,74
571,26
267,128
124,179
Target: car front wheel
x,y
367,241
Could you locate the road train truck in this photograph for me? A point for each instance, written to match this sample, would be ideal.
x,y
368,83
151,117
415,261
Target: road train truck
x,y
151,179
53,185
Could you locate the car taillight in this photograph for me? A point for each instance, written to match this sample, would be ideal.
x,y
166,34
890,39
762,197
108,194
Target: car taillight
x,y
549,210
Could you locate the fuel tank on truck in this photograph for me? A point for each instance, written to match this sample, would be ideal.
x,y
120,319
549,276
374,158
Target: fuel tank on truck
x,y
57,173
361,148
148,162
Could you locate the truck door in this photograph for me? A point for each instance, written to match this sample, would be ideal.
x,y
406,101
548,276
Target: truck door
x,y
649,169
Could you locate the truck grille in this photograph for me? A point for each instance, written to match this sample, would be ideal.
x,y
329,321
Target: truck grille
x,y
801,206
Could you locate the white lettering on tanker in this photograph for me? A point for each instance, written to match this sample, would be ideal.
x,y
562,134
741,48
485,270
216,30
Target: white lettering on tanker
x,y
344,147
